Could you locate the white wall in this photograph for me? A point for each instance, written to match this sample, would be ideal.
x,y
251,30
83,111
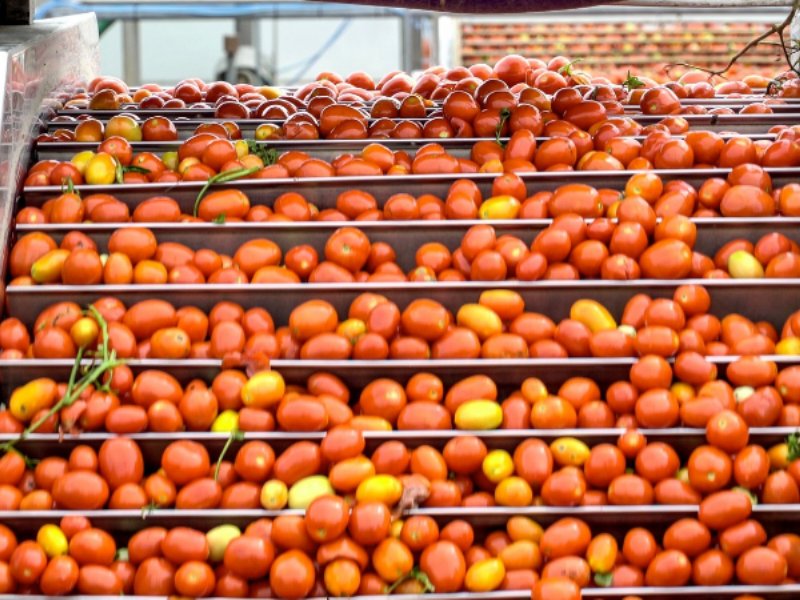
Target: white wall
x,y
173,49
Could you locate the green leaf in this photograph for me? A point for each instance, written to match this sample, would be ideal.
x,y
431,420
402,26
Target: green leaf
x,y
632,82
135,169
220,219
793,441
118,172
268,155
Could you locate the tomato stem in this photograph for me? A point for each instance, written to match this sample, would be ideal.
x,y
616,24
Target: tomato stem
x,y
103,331
235,435
222,178
505,114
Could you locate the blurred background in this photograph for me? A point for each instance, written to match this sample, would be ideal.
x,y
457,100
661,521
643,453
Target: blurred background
x,y
288,43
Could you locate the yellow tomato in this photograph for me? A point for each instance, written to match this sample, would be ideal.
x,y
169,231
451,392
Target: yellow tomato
x,y
47,269
242,149
352,329
479,415
32,397
370,423
170,160
569,451
81,160
264,389
267,131
497,465
226,421
485,575
592,314
397,528
380,488
308,489
218,539
778,456
481,319
84,332
743,265
788,346
602,553
500,207
52,540
274,495
513,491
682,391
101,169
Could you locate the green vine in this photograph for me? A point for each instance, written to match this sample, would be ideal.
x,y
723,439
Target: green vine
x,y
222,178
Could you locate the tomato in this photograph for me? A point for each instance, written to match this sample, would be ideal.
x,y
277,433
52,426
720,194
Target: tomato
x,y
27,562
249,557
60,576
80,490
568,536
98,580
184,461
657,461
292,575
92,546
443,563
761,566
326,518
195,579
639,547
342,577
299,460
689,536
369,523
120,461
556,588
722,509
712,567
669,567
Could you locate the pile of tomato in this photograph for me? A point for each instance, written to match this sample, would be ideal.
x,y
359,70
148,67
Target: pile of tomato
x,y
498,326
362,478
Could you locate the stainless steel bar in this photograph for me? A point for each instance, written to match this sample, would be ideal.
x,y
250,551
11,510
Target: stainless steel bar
x,y
780,592
612,517
323,191
752,298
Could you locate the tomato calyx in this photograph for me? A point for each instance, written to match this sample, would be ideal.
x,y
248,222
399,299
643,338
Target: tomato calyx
x,y
415,573
603,579
632,82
